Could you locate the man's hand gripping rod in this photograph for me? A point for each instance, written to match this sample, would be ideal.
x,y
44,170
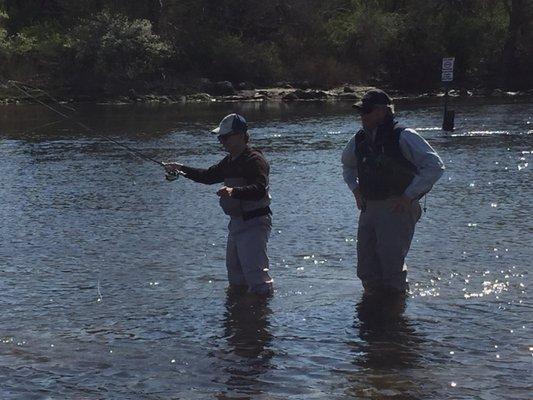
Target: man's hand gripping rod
x,y
172,171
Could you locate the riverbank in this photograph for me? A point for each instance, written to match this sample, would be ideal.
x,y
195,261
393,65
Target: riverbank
x,y
226,92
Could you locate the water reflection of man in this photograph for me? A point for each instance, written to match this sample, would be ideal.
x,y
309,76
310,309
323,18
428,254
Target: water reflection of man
x,y
389,340
245,198
387,344
246,329
388,168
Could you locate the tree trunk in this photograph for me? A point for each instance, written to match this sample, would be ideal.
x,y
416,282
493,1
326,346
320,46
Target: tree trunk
x,y
518,19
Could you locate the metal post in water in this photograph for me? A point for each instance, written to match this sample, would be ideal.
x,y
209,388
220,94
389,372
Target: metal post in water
x,y
447,76
445,99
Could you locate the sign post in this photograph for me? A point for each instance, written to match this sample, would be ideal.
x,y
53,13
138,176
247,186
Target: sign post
x,y
447,77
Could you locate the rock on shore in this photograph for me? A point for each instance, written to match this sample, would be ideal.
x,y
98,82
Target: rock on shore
x,y
206,91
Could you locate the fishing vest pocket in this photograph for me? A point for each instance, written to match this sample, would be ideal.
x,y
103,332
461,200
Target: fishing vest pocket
x,y
237,207
229,205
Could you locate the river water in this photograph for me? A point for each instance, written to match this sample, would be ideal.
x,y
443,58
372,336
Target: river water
x,y
113,280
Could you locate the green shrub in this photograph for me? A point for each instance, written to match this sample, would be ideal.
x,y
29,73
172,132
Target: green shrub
x,y
32,54
111,49
234,60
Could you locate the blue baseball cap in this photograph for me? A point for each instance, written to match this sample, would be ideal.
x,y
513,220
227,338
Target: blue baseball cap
x,y
232,123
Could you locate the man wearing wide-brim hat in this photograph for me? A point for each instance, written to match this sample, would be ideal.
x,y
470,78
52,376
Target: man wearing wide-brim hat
x,y
245,197
388,168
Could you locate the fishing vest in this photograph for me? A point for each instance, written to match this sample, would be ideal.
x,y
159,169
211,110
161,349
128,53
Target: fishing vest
x,y
382,169
238,207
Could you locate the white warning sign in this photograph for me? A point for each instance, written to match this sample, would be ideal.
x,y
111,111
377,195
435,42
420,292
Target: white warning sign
x,y
447,76
447,64
447,69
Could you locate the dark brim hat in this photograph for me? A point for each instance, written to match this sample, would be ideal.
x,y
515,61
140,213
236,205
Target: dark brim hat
x,y
374,97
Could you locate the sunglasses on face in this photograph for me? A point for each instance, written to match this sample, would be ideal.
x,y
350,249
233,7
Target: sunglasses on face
x,y
223,138
366,110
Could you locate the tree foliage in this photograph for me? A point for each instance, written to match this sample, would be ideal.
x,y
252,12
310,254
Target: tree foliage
x,y
111,49
114,44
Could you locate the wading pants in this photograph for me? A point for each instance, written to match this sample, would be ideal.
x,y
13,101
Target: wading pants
x,y
383,240
246,253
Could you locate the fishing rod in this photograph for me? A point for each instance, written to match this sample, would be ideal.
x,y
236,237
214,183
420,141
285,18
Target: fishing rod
x,y
170,176
26,85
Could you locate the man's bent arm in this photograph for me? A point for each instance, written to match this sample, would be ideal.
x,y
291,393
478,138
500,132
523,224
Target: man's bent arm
x,y
257,176
429,165
208,176
349,165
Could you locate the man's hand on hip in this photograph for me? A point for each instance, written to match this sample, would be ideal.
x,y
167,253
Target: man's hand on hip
x,y
358,199
401,204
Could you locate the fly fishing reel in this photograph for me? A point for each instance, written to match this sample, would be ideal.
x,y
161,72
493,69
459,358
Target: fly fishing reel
x,y
172,176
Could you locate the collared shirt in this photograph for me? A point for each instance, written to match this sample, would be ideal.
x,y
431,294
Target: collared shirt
x,y
415,149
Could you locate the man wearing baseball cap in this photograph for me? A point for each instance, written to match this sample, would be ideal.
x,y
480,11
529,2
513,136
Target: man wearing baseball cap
x,y
388,168
245,198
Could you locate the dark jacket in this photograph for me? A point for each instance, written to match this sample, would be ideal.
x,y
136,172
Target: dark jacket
x,y
247,175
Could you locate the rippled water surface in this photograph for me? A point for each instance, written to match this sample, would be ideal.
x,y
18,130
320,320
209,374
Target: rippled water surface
x,y
113,280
